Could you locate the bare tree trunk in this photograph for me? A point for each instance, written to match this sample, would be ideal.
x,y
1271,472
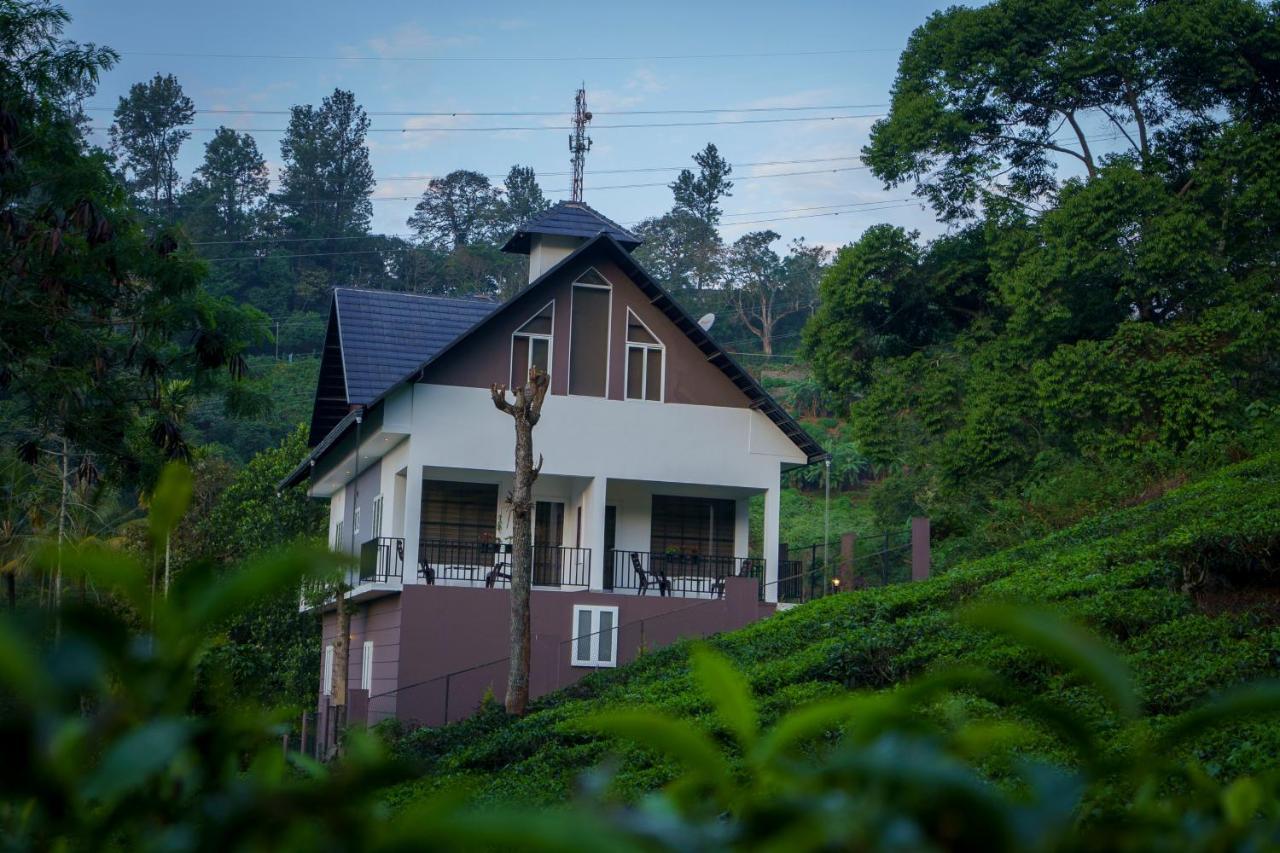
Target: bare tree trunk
x,y
56,595
525,410
341,659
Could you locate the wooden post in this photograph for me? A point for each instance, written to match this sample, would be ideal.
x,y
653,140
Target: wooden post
x,y
920,561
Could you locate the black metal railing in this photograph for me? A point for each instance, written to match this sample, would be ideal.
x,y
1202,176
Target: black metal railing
x,y
679,575
488,564
814,571
382,560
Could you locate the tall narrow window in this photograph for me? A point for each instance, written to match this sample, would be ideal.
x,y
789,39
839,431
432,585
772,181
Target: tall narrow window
x,y
376,528
366,666
531,344
589,336
326,678
339,537
645,361
355,524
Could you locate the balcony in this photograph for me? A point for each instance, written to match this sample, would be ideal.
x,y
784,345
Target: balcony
x,y
488,564
675,574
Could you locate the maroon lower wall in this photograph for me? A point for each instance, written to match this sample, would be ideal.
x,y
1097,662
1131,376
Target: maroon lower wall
x,y
454,640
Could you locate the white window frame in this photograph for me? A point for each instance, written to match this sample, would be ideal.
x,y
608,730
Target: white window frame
x,y
338,544
377,517
326,677
366,666
594,660
644,363
355,523
550,339
608,340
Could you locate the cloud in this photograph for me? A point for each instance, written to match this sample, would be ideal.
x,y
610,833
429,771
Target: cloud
x,y
406,40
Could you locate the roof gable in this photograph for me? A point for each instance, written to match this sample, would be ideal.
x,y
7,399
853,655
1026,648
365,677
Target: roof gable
x,y
570,219
375,338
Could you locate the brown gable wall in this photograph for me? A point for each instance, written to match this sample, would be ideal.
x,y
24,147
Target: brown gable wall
x,y
485,357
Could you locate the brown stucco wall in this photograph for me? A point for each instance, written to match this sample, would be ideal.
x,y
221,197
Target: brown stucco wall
x,y
454,639
485,357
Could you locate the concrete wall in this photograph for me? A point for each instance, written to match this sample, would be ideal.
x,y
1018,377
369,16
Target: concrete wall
x,y
447,646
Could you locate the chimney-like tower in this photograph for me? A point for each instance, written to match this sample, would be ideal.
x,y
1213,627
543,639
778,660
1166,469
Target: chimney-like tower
x,y
553,235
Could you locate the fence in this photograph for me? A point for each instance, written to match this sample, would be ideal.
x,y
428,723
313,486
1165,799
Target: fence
x,y
854,562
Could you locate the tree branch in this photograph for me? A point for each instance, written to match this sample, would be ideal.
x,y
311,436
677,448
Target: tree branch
x,y
498,393
1084,144
1120,127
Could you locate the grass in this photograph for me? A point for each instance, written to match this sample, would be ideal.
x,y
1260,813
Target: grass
x,y
1121,573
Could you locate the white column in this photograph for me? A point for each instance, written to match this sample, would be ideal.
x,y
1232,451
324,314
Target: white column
x,y
772,509
593,503
742,527
411,512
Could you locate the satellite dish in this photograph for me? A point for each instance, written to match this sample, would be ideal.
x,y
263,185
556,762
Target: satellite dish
x,y
706,321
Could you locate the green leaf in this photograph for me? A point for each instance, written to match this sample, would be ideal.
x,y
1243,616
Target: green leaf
x,y
808,722
676,739
170,499
1241,801
728,692
1070,645
1252,700
136,757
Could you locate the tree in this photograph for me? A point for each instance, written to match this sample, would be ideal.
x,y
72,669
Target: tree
x,y
764,289
523,198
148,133
326,183
874,303
682,251
987,100
230,186
525,410
700,194
456,210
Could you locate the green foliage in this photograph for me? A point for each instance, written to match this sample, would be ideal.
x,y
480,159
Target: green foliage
x,y
1119,574
269,650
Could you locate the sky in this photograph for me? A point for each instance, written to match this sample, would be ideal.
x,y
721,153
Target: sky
x,y
734,59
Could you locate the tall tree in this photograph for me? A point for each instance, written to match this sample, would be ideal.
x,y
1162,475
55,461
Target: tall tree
x,y
522,199
230,186
456,210
988,100
525,410
326,183
148,132
762,289
682,251
700,194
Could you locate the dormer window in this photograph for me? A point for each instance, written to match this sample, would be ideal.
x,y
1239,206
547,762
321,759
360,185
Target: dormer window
x,y
645,361
589,335
531,345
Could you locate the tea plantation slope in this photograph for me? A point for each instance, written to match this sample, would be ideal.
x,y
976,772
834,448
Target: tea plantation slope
x,y
1122,573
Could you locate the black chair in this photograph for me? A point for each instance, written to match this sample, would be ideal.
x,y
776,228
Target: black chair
x,y
647,578
497,574
744,571
425,573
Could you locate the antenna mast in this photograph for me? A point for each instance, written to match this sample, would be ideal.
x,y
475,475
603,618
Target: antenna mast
x,y
579,142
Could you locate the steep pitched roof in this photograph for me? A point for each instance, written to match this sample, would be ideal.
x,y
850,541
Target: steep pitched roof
x,y
570,219
375,338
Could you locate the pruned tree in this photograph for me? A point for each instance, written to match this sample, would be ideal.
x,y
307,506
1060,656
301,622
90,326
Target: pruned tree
x,y
525,409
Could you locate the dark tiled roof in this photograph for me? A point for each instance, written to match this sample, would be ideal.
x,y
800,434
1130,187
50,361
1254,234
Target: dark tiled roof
x,y
386,335
570,219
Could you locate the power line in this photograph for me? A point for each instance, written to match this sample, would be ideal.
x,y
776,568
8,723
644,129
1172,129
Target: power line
x,y
555,127
523,113
508,59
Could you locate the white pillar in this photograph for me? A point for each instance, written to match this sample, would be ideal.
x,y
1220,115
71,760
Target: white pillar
x,y
742,527
593,504
411,512
772,509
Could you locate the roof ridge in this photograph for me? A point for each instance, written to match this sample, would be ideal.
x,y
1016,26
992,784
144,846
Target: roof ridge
x,y
481,300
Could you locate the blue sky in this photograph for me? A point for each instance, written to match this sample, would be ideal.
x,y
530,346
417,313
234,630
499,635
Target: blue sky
x,y
613,48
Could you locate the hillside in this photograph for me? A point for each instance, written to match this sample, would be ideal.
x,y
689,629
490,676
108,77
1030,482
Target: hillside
x,y
1121,573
